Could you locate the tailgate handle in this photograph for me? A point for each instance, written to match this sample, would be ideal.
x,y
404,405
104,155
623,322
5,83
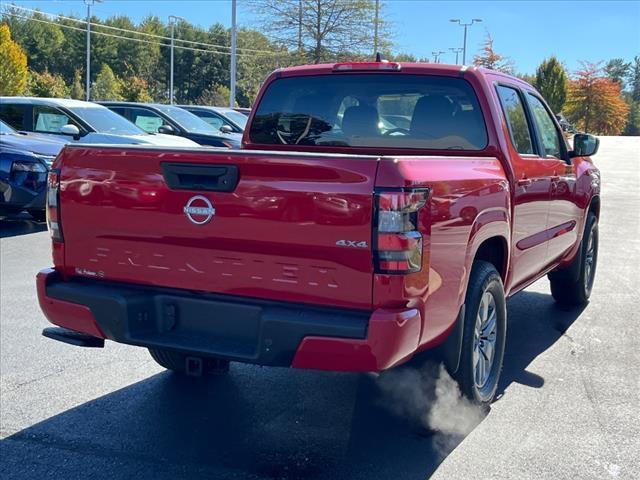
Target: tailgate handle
x,y
211,178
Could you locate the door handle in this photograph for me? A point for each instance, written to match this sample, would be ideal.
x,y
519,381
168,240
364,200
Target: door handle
x,y
524,182
212,178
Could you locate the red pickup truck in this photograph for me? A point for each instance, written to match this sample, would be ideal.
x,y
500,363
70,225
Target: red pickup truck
x,y
375,211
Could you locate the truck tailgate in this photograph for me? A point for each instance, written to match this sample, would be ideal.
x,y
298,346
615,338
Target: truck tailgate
x,y
291,227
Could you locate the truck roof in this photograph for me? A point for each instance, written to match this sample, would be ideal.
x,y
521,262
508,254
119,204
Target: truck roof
x,y
406,67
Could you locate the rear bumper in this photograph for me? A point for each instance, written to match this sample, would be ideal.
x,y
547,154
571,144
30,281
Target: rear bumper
x,y
233,328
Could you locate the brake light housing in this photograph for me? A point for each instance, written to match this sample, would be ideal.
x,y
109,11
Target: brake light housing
x,y
363,66
53,206
397,238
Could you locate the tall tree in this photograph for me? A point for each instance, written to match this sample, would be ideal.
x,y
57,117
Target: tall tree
x,y
77,90
595,102
46,84
214,95
633,120
634,79
13,65
617,70
107,86
322,30
135,89
551,82
41,40
489,58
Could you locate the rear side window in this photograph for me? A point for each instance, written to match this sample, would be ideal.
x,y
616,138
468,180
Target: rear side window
x,y
371,110
13,115
516,119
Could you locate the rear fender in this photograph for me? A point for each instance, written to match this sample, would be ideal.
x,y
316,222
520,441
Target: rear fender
x,y
492,223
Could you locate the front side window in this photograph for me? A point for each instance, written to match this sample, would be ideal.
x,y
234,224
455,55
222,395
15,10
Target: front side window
x,y
147,120
516,119
187,120
49,119
546,127
389,110
209,117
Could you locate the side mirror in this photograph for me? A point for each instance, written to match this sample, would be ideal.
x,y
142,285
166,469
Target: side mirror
x,y
226,129
167,130
585,145
70,130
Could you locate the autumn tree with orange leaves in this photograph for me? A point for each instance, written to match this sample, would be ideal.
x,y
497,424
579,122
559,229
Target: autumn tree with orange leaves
x,y
489,58
595,103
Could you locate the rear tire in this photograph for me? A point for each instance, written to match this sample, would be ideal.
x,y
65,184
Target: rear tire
x,y
483,340
572,286
177,362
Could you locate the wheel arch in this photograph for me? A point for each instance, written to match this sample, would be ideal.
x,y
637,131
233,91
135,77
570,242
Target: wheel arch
x,y
594,206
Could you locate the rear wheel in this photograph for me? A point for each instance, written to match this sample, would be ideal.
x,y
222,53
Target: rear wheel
x,y
483,341
573,285
188,365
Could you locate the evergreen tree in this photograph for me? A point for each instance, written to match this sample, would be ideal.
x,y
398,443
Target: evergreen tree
x,y
617,70
551,82
634,79
633,120
107,86
13,65
216,95
77,91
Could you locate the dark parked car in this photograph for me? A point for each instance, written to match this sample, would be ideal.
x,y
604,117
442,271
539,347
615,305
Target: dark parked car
x,y
23,182
565,125
172,120
25,159
225,119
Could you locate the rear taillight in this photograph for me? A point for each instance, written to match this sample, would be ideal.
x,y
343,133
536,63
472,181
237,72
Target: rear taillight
x,y
53,205
398,242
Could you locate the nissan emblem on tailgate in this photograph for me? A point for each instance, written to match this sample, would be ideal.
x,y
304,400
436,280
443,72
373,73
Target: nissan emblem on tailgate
x,y
199,210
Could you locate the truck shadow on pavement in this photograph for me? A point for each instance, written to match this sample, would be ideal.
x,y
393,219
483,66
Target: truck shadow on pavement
x,y
535,323
258,423
23,225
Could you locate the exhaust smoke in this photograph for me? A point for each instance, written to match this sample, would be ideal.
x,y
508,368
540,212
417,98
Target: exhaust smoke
x,y
430,397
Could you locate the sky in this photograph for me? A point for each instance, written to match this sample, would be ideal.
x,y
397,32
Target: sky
x,y
525,31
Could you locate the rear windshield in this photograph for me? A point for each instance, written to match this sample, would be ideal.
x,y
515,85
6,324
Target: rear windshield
x,y
373,110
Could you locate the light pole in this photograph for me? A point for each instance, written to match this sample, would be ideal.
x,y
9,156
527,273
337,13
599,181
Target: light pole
x,y
465,25
89,4
232,96
457,52
436,56
173,19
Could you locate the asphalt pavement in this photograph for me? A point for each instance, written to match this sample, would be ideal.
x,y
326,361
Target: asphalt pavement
x,y
569,404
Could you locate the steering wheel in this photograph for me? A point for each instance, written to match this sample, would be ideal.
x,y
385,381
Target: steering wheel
x,y
397,130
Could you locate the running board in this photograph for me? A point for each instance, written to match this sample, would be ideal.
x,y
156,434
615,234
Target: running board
x,y
73,338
